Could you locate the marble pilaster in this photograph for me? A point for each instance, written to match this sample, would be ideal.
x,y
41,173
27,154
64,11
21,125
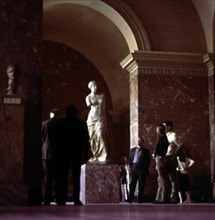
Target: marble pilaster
x,y
209,59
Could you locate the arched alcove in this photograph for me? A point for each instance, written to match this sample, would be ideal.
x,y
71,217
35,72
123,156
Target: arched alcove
x,y
100,33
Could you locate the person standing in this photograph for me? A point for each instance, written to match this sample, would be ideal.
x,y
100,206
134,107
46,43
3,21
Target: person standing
x,y
174,145
96,122
184,164
160,163
124,179
49,141
72,152
139,161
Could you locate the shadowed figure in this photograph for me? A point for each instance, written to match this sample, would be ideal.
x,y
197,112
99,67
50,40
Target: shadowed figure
x,y
72,152
49,141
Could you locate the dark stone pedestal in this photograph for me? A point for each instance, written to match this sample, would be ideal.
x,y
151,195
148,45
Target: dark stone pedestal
x,y
100,183
13,190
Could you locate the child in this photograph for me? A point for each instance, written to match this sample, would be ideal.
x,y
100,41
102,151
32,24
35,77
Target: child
x,y
184,163
124,179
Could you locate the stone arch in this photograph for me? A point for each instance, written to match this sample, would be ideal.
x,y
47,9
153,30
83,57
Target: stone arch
x,y
128,24
213,32
106,41
134,23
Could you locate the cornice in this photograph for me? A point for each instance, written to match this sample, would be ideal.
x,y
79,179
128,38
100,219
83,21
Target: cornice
x,y
168,57
164,63
209,59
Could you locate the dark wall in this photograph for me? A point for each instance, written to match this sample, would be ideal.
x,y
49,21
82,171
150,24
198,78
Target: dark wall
x,y
184,100
21,41
66,77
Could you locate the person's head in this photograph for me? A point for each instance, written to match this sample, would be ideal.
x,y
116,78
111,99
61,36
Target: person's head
x,y
71,110
168,125
140,141
92,85
54,113
160,130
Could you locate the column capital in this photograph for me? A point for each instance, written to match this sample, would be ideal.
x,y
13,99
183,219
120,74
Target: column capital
x,y
209,59
164,63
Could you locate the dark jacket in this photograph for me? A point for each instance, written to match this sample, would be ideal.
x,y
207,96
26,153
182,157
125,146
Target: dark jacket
x,y
143,162
49,138
73,140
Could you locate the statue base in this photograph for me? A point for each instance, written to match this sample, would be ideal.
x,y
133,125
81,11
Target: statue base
x,y
100,183
12,100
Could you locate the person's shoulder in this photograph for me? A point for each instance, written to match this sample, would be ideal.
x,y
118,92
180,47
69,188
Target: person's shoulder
x,y
171,133
45,122
62,120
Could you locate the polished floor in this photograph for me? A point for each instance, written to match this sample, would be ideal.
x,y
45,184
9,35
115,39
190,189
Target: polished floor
x,y
122,211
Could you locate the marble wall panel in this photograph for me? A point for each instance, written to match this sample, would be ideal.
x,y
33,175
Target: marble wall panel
x,y
184,100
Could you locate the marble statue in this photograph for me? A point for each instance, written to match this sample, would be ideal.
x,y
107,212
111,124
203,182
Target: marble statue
x,y
96,122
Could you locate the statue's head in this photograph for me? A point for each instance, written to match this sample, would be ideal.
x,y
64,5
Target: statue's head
x,y
92,83
10,70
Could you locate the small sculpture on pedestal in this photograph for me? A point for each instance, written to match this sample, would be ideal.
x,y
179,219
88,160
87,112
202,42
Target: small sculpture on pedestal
x,y
11,79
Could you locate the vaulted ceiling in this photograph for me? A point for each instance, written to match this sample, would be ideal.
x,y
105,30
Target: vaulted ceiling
x,y
107,31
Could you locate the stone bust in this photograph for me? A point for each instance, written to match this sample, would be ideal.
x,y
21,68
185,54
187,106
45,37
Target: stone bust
x,y
10,71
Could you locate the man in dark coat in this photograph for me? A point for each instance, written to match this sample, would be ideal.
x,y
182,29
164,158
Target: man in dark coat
x,y
49,141
139,160
72,152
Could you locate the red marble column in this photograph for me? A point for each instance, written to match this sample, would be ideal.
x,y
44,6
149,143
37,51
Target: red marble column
x,y
209,59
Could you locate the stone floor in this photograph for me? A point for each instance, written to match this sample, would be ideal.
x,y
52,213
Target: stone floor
x,y
122,211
